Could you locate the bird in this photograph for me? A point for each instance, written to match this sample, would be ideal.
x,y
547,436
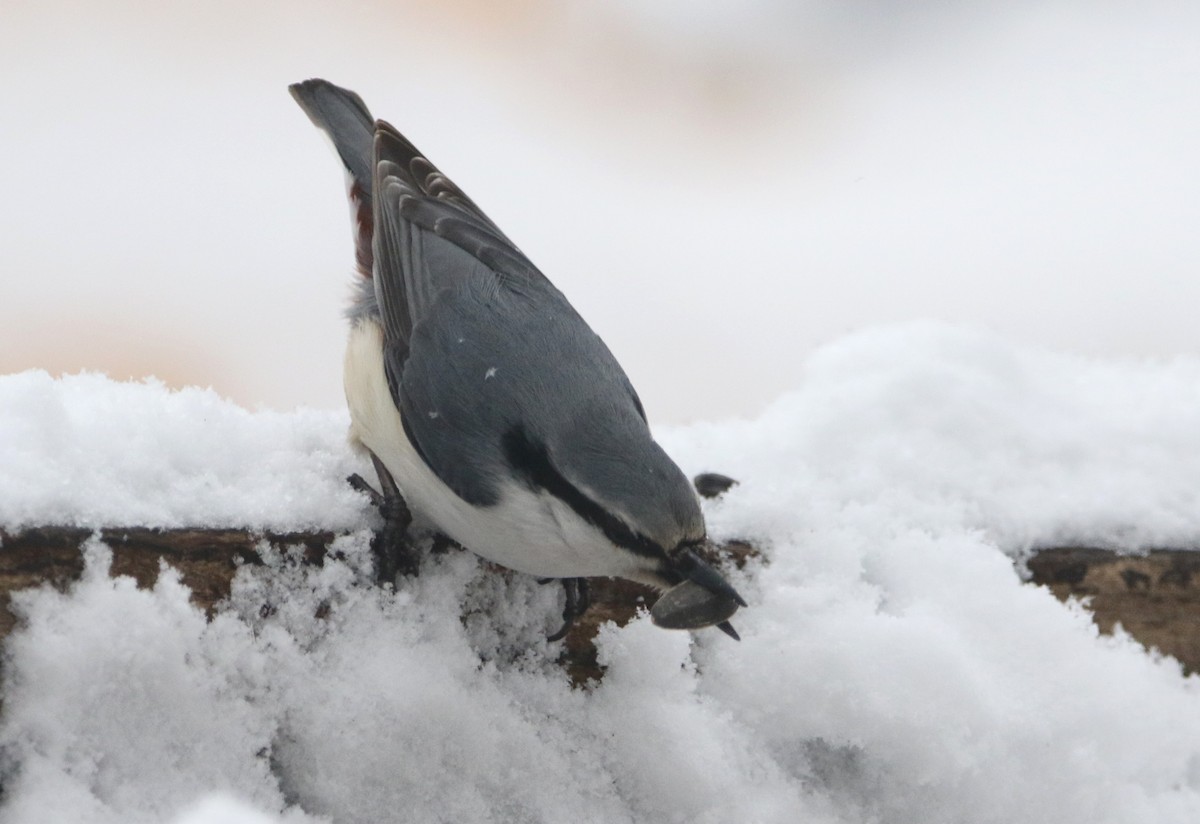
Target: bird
x,y
487,404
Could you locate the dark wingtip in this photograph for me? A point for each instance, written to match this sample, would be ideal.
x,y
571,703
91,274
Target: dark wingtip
x,y
728,629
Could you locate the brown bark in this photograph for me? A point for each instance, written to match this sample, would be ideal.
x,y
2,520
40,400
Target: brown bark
x,y
1155,597
207,560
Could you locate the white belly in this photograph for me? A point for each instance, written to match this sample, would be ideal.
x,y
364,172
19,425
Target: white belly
x,y
532,532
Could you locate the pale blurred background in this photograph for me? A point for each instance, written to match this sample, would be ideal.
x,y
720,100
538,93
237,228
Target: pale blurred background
x,y
719,187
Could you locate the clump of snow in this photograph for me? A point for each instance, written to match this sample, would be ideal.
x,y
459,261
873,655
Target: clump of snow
x,y
893,665
87,451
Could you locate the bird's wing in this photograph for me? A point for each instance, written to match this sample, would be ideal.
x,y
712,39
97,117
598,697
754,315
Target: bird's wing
x,y
496,376
430,237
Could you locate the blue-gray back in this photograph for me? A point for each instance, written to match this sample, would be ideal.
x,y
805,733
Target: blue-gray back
x,y
493,369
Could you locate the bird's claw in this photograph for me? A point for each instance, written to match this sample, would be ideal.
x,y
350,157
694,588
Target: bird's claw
x,y
579,598
359,484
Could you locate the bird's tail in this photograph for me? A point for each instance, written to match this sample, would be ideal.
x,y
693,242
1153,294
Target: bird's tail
x,y
346,121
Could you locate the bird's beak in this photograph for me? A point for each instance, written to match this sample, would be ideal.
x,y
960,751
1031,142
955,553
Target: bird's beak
x,y
695,568
702,599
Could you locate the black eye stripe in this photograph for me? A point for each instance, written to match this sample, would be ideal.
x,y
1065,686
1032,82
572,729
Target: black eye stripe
x,y
531,460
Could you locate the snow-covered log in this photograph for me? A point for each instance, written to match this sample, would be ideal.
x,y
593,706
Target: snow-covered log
x,y
1154,597
208,559
896,662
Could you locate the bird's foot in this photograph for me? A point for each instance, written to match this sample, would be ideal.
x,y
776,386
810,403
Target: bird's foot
x,y
394,554
579,598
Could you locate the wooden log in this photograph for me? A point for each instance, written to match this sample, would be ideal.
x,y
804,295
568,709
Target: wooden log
x,y
207,560
1155,597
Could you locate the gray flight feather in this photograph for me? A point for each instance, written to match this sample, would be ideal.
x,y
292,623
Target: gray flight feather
x,y
494,371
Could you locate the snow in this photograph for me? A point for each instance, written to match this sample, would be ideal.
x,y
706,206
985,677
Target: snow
x,y
893,665
87,451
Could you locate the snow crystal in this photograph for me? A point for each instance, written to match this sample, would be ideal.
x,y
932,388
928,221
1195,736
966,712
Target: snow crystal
x,y
893,667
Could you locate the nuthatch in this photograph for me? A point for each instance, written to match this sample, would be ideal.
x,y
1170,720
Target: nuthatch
x,y
487,402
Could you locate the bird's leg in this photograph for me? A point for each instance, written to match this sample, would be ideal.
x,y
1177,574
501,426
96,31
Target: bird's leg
x,y
442,544
393,553
579,598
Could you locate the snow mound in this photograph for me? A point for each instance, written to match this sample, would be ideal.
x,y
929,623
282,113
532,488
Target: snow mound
x,y
941,428
893,665
87,451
